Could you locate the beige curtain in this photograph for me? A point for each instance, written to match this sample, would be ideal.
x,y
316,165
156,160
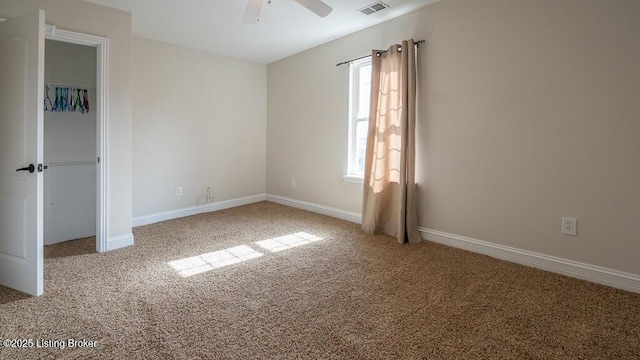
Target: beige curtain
x,y
389,201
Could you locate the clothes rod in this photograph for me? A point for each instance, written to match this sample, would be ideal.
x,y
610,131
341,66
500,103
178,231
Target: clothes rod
x,y
71,85
71,163
415,43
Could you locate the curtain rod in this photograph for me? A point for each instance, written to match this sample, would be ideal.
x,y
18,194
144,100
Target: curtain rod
x,y
415,43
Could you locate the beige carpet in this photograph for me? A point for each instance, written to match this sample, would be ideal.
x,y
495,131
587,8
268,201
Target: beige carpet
x,y
339,294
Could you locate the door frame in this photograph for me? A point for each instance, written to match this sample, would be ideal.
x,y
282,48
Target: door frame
x,y
102,90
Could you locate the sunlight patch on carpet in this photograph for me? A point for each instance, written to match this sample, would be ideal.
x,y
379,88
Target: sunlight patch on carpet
x,y
288,241
202,263
206,262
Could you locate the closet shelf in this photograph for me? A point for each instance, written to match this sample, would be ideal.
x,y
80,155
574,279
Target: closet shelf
x,y
71,163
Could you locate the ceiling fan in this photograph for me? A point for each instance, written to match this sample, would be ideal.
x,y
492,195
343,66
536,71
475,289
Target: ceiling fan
x,y
252,14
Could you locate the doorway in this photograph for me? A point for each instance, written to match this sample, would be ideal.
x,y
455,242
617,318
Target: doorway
x,y
70,158
95,50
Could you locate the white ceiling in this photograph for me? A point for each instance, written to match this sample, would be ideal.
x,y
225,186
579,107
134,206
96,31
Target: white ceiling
x,y
285,28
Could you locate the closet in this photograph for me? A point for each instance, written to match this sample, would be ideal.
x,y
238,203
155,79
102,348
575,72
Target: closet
x,y
69,142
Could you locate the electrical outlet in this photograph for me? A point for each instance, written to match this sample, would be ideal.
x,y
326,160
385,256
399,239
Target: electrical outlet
x,y
569,226
179,191
293,183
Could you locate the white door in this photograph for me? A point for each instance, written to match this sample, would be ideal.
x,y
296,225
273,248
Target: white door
x,y
21,152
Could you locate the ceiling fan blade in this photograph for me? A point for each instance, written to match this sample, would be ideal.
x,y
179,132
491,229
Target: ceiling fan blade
x,y
318,7
252,14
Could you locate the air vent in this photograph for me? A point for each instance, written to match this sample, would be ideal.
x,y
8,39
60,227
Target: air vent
x,y
375,7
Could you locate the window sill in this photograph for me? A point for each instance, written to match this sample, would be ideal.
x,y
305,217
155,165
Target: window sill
x,y
354,179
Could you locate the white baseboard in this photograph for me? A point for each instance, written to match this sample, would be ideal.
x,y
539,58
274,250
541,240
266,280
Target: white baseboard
x,y
174,214
596,274
118,242
316,208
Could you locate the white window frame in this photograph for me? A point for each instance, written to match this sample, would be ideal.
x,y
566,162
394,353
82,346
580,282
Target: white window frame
x,y
354,96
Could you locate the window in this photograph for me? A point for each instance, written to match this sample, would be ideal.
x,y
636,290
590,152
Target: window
x,y
359,93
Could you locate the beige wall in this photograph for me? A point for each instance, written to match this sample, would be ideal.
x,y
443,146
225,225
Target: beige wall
x,y
71,64
529,109
199,119
88,18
